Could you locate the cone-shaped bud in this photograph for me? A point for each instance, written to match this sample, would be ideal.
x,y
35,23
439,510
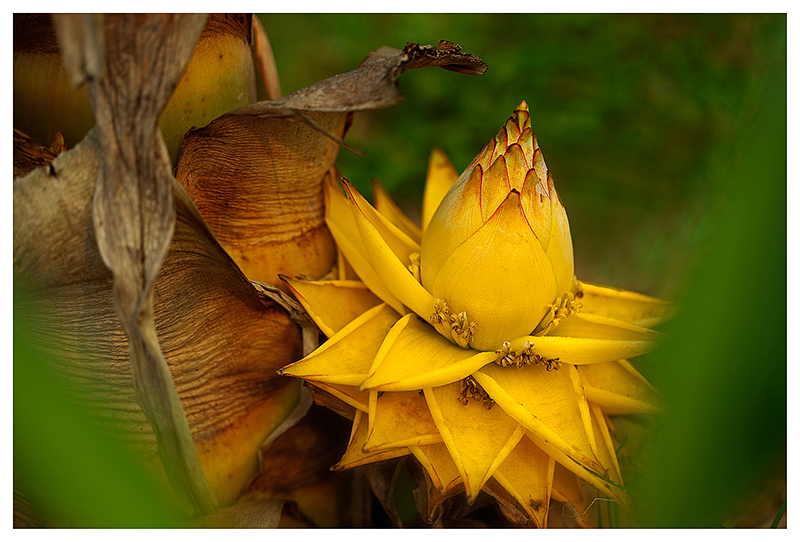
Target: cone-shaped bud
x,y
498,248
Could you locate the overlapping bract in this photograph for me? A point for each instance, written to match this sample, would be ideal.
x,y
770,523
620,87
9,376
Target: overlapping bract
x,y
500,229
498,375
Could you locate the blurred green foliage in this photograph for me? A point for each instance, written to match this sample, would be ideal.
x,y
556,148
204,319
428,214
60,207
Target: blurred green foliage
x,y
666,136
723,440
67,471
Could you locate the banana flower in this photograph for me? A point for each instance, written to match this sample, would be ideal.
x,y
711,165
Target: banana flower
x,y
468,342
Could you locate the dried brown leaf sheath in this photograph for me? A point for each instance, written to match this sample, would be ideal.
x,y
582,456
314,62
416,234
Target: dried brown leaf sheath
x,y
131,64
256,173
134,214
258,184
221,343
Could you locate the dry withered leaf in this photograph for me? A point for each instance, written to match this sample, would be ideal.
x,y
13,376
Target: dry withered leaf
x,y
507,503
302,455
133,209
430,500
256,173
372,85
567,491
222,343
382,477
295,466
334,404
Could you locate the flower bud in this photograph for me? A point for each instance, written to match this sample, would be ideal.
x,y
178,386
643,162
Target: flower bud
x,y
498,248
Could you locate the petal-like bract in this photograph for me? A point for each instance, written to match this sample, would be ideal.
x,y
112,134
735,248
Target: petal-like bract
x,y
499,277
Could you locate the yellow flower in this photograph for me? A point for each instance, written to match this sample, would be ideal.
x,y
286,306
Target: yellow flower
x,y
468,342
503,232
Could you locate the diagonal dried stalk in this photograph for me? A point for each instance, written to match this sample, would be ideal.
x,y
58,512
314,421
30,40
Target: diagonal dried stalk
x,y
131,65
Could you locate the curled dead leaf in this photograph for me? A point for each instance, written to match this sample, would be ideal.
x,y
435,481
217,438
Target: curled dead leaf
x,y
132,208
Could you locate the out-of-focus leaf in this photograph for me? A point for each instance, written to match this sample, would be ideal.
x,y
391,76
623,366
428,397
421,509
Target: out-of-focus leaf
x,y
67,472
726,396
256,173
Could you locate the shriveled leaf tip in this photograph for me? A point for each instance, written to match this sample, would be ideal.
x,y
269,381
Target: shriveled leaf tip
x,y
448,56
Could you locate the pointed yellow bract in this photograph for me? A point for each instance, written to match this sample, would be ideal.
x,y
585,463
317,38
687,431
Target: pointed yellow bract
x,y
386,206
392,270
398,241
342,225
592,326
631,307
544,402
478,438
619,388
527,474
332,304
399,420
414,356
583,350
355,456
347,356
441,176
487,360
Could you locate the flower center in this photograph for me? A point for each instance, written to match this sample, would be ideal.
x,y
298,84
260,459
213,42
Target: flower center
x,y
558,311
470,389
525,356
458,327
